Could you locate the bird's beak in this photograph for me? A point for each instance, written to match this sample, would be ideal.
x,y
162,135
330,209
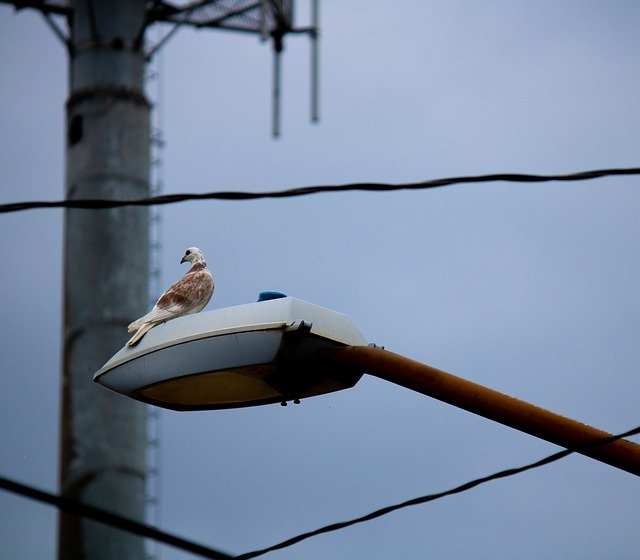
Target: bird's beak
x,y
183,259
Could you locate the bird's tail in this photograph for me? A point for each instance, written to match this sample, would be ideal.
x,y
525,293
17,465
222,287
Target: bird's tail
x,y
139,333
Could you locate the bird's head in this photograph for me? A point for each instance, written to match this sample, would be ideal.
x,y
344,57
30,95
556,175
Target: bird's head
x,y
193,255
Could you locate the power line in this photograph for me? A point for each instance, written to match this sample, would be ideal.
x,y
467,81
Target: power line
x,y
83,510
95,204
102,516
432,497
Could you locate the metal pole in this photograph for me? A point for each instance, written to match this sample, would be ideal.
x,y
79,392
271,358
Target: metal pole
x,y
278,45
103,435
491,404
315,111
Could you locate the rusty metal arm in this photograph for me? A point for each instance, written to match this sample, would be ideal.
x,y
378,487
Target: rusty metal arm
x,y
491,404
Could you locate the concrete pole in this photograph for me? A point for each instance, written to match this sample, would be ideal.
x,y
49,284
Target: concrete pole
x,y
103,435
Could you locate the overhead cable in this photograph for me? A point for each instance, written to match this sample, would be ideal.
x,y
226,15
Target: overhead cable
x,y
97,514
99,203
432,497
83,510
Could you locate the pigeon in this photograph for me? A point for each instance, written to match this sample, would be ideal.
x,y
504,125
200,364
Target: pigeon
x,y
188,295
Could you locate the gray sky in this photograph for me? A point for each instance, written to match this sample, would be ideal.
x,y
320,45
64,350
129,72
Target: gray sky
x,y
529,289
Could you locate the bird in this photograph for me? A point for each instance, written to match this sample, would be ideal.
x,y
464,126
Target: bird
x,y
190,294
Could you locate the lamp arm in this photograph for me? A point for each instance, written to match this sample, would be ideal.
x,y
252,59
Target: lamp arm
x,y
475,398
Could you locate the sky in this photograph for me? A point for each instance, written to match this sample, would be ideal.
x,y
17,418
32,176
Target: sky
x,y
530,289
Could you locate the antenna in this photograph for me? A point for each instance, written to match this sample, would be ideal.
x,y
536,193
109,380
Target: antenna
x,y
268,19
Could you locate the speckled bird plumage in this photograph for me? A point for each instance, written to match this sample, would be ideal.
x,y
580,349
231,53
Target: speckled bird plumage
x,y
190,294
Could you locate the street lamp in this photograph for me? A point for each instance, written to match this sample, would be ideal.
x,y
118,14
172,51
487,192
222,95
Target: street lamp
x,y
282,349
257,353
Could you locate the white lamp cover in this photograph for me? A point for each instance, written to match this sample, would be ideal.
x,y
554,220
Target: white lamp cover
x,y
257,353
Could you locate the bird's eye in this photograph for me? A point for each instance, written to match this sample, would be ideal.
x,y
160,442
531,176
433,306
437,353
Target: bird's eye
x,y
188,253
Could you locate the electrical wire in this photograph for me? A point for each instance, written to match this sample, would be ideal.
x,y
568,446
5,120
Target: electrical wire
x,y
97,203
83,510
97,514
432,497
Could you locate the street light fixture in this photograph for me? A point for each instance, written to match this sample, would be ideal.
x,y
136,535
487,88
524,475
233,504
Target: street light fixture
x,y
281,349
257,353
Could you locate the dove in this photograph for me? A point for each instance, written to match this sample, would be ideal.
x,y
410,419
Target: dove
x,y
190,294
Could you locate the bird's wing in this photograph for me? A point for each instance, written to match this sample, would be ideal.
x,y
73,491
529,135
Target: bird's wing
x,y
198,285
188,295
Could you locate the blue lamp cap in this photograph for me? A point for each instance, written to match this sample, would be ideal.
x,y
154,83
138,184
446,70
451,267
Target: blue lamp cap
x,y
266,296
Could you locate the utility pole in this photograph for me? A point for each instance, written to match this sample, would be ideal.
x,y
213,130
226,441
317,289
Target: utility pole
x,y
103,436
106,261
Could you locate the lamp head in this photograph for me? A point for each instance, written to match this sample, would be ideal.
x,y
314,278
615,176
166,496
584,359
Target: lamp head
x,y
258,353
